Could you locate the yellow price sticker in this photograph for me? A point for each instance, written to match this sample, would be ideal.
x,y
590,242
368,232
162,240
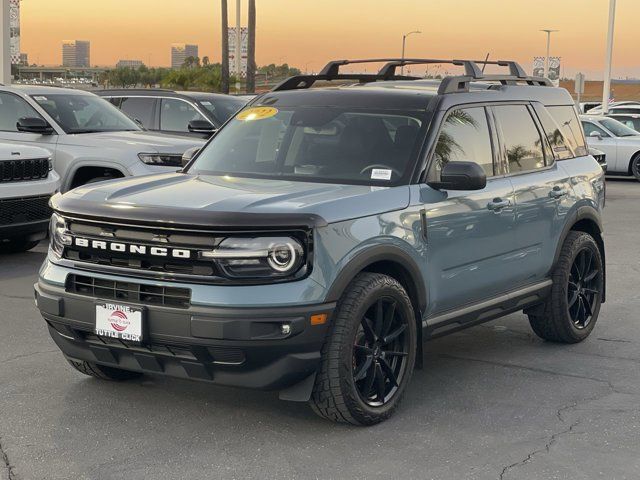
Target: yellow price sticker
x,y
256,113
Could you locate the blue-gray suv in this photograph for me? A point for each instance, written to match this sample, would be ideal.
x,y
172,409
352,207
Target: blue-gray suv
x,y
324,234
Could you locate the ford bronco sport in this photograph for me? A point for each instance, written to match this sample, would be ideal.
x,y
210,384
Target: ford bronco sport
x,y
323,234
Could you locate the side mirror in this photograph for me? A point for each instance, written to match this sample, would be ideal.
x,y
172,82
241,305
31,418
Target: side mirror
x,y
188,155
461,176
34,125
595,134
201,126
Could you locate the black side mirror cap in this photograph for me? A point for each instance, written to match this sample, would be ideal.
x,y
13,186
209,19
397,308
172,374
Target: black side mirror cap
x,y
34,125
461,176
201,126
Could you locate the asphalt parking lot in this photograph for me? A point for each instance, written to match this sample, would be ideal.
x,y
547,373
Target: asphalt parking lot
x,y
493,402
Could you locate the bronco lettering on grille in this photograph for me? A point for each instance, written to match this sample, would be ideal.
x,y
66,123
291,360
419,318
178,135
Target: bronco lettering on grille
x,y
132,248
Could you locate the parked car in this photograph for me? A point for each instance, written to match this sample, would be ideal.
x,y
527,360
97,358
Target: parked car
x,y
585,107
627,106
630,120
324,233
89,138
27,182
196,114
620,143
600,157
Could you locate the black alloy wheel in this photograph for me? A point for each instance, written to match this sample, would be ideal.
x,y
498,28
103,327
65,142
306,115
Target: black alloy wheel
x,y
583,288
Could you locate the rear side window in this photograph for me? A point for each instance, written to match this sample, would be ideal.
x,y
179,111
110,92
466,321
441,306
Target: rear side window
x,y
464,137
139,108
557,141
522,143
566,118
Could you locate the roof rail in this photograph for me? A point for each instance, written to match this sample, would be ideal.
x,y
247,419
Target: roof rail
x,y
450,84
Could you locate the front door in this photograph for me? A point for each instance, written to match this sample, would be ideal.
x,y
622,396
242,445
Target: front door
x,y
598,138
470,234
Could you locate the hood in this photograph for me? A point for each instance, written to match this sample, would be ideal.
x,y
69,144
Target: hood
x,y
140,141
12,151
209,201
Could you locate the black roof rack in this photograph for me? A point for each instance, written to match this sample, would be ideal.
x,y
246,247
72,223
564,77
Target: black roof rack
x,y
450,84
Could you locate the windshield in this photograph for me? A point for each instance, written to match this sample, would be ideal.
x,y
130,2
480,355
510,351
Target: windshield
x,y
317,144
617,128
84,113
222,108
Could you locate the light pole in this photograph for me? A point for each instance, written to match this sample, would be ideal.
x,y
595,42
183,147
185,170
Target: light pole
x,y
238,51
404,42
5,52
606,84
546,59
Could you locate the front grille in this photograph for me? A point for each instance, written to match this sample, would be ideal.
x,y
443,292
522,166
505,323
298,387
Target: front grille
x,y
129,291
24,210
24,170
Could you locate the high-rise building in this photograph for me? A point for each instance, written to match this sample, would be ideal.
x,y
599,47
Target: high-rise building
x,y
129,64
14,31
180,52
76,53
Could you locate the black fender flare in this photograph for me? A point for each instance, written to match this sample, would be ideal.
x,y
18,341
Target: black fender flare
x,y
589,213
374,254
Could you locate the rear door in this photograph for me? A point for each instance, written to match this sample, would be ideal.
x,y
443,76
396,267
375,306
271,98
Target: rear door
x,y
543,193
470,234
141,109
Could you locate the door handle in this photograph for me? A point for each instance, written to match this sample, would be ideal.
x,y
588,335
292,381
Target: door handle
x,y
497,204
558,192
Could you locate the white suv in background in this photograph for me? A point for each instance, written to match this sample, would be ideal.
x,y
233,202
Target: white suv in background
x,y
27,181
91,140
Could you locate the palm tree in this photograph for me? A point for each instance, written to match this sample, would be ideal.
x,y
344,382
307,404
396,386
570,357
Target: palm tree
x,y
224,81
251,49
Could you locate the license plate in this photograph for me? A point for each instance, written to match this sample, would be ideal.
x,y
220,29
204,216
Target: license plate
x,y
119,321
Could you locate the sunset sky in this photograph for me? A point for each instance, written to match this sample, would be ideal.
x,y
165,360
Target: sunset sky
x,y
306,33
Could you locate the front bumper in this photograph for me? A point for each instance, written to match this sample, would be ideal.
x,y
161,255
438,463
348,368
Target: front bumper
x,y
241,347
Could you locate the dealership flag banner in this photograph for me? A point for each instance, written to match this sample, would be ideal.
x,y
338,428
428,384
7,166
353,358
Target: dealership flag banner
x,y
554,68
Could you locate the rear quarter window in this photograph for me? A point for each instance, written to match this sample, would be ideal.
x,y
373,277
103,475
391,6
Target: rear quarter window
x,y
566,119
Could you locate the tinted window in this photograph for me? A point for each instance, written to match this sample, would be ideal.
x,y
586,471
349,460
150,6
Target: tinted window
x,y
223,108
617,128
335,144
567,120
464,137
175,115
13,108
522,142
589,128
84,113
140,109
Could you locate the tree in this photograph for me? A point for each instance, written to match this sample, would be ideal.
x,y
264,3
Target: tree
x,y
224,81
251,49
205,61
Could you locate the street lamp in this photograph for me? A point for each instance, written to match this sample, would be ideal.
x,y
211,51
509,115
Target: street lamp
x,y
404,41
546,61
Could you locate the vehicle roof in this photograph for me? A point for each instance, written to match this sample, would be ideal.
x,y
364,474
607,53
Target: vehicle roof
x,y
412,94
42,90
161,91
13,151
593,117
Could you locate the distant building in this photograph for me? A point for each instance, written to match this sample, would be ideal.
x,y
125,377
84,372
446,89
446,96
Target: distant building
x,y
24,59
14,31
180,52
135,64
76,53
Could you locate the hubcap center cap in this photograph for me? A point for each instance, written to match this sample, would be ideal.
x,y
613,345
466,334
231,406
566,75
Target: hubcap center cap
x,y
377,351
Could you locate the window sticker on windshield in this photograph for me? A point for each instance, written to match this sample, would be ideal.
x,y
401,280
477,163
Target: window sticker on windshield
x,y
40,98
256,113
205,102
380,174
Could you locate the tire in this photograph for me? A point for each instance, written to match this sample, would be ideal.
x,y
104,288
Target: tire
x,y
389,341
635,166
102,372
569,316
18,246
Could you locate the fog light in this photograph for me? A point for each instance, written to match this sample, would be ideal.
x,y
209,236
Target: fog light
x,y
285,329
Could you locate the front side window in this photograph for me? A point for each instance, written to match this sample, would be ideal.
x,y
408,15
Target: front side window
x,y
590,128
617,128
175,115
84,113
222,109
522,143
12,109
317,144
139,108
464,137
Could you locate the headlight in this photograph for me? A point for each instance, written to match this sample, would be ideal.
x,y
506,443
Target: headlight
x,y
264,257
59,235
161,159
